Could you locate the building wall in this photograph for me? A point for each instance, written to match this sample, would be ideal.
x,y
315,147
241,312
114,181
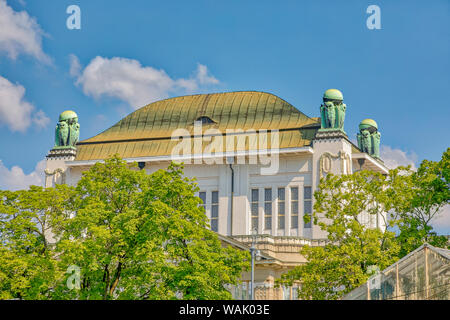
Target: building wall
x,y
281,242
295,170
338,151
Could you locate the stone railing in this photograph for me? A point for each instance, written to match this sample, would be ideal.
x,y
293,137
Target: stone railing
x,y
280,240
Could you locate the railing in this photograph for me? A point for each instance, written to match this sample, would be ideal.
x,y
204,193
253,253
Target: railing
x,y
264,292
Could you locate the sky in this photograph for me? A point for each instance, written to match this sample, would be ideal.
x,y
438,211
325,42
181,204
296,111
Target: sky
x,y
129,53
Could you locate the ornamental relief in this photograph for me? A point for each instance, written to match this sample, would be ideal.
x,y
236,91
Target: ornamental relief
x,y
326,160
56,173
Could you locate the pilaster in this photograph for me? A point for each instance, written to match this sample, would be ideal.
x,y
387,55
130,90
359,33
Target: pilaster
x,y
56,171
332,154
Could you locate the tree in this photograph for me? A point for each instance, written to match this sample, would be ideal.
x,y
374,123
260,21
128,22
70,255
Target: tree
x,y
28,268
139,236
136,236
356,242
413,234
444,173
403,201
428,192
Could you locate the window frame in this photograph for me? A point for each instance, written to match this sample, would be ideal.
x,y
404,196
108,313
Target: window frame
x,y
310,201
254,216
295,215
268,204
281,216
214,205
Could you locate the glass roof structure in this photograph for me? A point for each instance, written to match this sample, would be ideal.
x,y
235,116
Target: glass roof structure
x,y
423,274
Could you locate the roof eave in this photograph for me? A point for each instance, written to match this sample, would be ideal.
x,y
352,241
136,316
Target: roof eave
x,y
371,163
221,155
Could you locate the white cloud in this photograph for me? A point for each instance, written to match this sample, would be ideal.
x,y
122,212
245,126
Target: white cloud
x,y
203,77
129,81
441,222
20,33
16,179
40,119
75,66
395,157
199,78
15,112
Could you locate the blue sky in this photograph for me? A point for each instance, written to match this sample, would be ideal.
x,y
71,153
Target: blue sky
x,y
398,75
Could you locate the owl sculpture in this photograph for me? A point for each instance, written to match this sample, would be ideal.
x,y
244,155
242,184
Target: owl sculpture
x,y
369,137
67,131
376,137
331,113
74,132
340,110
63,133
366,141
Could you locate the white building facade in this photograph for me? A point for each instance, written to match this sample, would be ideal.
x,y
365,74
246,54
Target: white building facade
x,y
256,158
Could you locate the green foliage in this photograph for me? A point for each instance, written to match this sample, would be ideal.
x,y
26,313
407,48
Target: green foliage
x,y
402,200
133,235
344,262
428,192
28,269
413,234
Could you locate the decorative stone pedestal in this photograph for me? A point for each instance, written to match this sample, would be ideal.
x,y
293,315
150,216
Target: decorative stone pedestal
x,y
62,152
55,171
331,133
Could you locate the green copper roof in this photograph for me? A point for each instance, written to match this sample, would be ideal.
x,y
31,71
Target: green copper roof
x,y
333,94
147,131
366,123
68,114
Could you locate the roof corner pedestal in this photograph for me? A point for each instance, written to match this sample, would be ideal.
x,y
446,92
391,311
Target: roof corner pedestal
x,y
56,170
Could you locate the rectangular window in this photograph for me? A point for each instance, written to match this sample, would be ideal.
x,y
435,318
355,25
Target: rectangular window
x,y
268,208
254,208
294,293
202,196
294,207
215,211
307,204
281,207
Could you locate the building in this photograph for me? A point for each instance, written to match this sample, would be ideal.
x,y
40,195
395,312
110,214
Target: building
x,y
423,274
257,160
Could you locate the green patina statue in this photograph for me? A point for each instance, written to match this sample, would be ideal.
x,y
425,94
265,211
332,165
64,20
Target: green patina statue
x,y
67,130
369,138
376,137
332,111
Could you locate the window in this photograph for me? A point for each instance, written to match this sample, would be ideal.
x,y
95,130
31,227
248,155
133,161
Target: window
x,y
202,196
254,208
268,208
215,211
307,204
294,207
286,292
294,293
204,120
281,207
